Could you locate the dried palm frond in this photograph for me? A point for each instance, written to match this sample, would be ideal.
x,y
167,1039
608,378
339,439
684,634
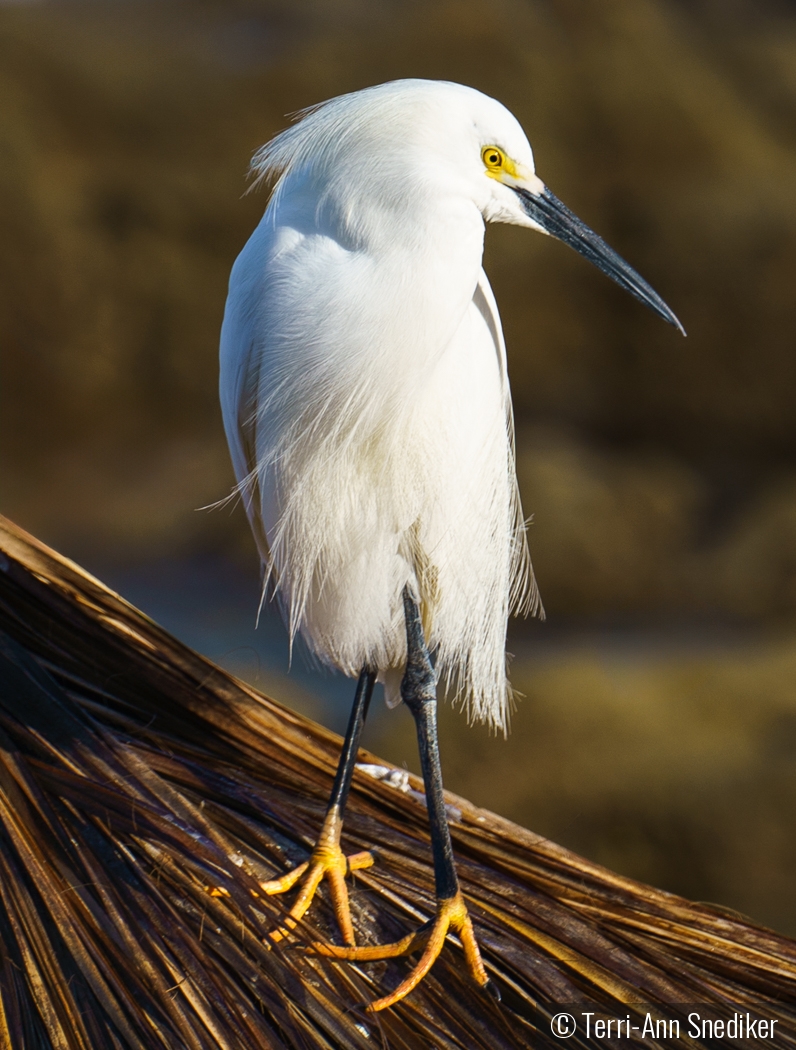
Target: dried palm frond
x,y
145,794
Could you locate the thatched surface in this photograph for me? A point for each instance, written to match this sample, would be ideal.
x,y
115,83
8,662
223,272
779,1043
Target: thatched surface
x,y
136,777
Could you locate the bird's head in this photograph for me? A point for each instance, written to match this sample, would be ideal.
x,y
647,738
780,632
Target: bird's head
x,y
498,159
377,159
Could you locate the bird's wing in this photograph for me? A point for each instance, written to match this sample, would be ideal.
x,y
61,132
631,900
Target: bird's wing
x,y
238,383
484,301
525,593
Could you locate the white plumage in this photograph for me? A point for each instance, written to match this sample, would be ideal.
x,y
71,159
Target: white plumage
x,y
364,386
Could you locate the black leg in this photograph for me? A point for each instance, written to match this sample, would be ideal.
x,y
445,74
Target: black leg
x,y
327,859
348,756
419,693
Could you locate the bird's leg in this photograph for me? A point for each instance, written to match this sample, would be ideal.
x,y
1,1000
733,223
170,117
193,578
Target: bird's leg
x,y
327,859
419,693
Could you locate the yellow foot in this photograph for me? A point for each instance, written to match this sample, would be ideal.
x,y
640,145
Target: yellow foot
x,y
451,915
327,861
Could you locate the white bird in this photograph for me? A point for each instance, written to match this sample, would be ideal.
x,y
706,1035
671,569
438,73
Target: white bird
x,y
366,404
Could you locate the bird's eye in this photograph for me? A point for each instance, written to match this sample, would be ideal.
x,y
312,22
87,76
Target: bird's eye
x,y
493,158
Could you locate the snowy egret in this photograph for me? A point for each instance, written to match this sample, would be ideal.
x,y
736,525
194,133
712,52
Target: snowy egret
x,y
366,404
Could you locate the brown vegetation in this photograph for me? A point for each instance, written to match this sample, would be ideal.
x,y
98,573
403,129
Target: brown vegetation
x,y
145,794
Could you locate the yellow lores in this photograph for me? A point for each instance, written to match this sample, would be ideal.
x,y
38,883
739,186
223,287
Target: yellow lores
x,y
497,163
501,167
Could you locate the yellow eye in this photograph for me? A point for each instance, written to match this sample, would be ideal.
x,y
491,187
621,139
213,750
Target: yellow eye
x,y
493,158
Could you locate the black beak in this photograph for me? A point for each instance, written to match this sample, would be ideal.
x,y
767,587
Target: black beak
x,y
556,219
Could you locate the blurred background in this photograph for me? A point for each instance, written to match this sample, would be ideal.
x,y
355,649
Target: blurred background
x,y
657,733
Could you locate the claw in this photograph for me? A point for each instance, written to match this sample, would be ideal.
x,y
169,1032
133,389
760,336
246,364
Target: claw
x,y
327,861
286,882
451,915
